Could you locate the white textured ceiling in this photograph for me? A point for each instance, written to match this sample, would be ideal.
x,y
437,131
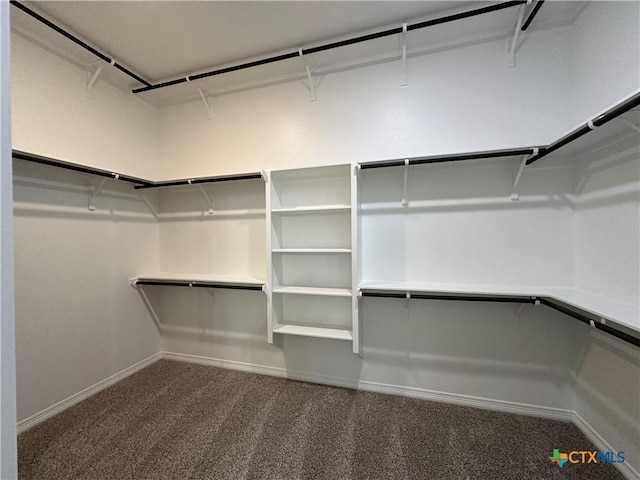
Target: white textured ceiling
x,y
163,40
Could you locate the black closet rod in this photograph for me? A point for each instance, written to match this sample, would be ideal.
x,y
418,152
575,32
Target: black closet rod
x,y
457,157
329,46
30,157
185,283
549,302
195,181
532,15
600,120
77,41
459,297
590,321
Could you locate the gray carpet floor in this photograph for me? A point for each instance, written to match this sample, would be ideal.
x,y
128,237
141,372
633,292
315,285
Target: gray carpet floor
x,y
176,420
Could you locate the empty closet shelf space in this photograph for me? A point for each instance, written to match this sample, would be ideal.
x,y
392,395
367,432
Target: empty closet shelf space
x,y
230,282
616,317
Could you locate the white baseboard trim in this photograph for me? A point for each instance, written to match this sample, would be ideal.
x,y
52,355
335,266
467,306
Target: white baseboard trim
x,y
452,398
62,405
601,444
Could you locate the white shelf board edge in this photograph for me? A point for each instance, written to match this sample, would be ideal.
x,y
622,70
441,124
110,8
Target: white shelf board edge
x,y
317,332
312,209
199,277
312,250
624,313
328,292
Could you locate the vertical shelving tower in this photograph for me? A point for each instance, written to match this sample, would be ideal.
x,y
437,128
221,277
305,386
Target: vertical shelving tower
x,y
312,253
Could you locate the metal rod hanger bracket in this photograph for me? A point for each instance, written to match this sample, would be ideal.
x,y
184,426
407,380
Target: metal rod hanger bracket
x,y
206,196
614,112
511,57
148,204
312,82
94,192
405,200
92,81
337,44
403,39
405,308
206,103
79,42
265,176
514,195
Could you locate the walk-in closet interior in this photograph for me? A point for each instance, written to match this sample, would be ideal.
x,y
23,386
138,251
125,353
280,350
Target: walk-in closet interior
x,y
432,201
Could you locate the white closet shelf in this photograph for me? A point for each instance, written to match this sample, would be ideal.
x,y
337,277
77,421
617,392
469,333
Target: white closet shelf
x,y
312,209
239,282
312,250
317,332
327,292
583,303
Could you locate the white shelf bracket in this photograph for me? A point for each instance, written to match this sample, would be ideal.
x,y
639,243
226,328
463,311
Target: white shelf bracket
x,y
94,192
405,309
150,309
265,176
92,81
511,56
312,82
514,195
149,205
403,39
206,103
406,182
206,196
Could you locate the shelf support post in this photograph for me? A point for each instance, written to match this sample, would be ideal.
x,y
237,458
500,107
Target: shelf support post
x,y
204,99
511,58
92,81
311,83
206,196
516,180
403,37
149,205
206,103
94,193
406,182
405,310
147,303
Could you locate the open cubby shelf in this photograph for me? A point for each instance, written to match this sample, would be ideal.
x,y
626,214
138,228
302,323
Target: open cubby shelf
x,y
310,230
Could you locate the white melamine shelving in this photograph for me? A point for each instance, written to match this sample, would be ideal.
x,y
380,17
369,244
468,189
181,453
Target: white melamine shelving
x,y
319,332
311,250
308,210
311,235
326,292
565,235
197,279
584,303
